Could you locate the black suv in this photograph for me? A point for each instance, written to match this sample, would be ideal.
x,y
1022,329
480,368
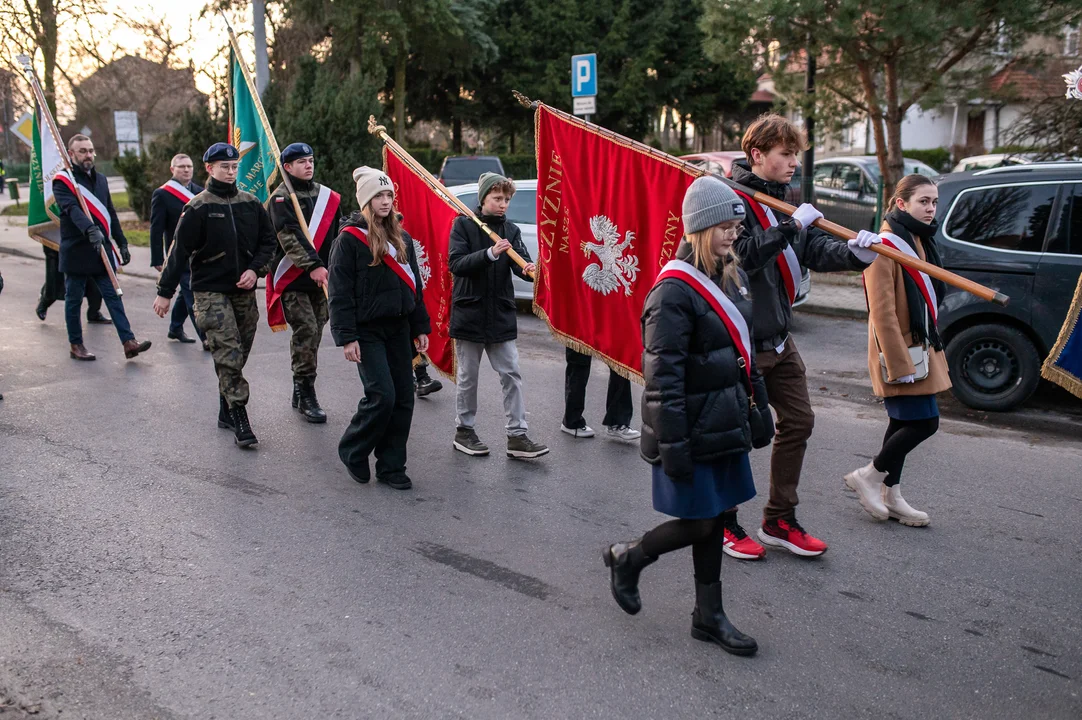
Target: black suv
x,y
1017,229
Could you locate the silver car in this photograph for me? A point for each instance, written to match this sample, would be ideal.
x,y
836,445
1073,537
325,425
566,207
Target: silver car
x,y
523,212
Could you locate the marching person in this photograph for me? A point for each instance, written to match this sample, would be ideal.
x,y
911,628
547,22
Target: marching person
x,y
378,317
773,250
81,241
905,350
704,408
166,205
53,290
296,292
618,403
226,238
483,316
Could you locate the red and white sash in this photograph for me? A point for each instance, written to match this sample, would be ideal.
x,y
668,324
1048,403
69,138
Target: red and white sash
x,y
323,213
98,211
924,283
722,305
178,191
787,262
404,272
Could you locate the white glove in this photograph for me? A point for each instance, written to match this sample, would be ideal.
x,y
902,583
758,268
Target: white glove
x,y
805,215
907,379
860,244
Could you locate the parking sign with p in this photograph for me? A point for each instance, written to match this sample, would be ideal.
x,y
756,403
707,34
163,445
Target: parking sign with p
x,y
584,75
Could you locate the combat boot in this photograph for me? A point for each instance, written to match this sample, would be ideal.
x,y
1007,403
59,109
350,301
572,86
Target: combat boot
x,y
242,430
304,400
225,420
625,561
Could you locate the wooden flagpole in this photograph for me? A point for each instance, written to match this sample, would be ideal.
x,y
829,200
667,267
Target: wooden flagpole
x,y
54,132
269,133
437,187
981,291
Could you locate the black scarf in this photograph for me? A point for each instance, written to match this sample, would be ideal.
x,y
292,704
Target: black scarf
x,y
906,226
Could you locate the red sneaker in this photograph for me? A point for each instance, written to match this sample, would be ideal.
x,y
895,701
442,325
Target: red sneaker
x,y
789,535
737,544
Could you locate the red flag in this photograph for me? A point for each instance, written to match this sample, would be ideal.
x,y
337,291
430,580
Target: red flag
x,y
428,219
608,219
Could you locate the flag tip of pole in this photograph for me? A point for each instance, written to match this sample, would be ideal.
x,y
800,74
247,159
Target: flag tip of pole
x,y
374,127
1001,299
524,101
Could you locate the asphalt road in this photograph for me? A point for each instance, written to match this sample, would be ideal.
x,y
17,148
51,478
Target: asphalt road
x,y
149,569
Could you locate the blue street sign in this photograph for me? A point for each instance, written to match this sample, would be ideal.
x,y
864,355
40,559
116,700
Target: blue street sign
x,y
583,75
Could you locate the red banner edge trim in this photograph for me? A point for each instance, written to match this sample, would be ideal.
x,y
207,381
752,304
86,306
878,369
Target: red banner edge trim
x,y
580,347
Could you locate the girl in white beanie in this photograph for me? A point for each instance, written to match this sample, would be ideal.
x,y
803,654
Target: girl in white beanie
x,y
377,316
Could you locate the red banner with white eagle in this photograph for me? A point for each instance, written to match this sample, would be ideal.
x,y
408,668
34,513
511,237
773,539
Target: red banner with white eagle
x,y
428,219
608,219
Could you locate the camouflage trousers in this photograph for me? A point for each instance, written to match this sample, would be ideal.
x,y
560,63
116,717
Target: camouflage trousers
x,y
306,313
229,322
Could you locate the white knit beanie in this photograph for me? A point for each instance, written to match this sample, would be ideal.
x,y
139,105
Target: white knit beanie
x,y
370,182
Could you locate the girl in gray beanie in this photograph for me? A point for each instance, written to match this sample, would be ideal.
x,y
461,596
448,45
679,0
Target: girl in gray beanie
x,y
699,410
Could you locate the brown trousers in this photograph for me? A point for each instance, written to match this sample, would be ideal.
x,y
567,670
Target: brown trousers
x,y
787,388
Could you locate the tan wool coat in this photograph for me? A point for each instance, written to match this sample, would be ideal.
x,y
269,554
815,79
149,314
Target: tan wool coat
x,y
888,314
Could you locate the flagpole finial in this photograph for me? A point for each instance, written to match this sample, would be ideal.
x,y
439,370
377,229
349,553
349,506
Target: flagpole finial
x,y
374,127
24,60
524,101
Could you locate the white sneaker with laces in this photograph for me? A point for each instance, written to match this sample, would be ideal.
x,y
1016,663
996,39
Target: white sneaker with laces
x,y
583,432
900,510
623,433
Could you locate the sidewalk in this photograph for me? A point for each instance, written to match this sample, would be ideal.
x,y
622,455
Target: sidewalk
x,y
836,295
14,240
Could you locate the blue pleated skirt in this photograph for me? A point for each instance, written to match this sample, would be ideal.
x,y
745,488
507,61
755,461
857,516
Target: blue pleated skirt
x,y
714,488
911,407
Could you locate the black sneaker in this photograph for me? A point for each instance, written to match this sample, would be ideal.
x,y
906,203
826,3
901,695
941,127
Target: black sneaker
x,y
425,383
520,446
98,319
398,482
466,441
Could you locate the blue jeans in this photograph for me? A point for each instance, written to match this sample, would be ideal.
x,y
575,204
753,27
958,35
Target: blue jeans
x,y
184,307
75,288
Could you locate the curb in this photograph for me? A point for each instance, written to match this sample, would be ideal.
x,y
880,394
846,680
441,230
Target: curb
x,y
833,311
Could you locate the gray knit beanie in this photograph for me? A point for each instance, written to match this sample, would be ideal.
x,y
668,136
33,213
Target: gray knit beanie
x,y
370,182
709,202
485,183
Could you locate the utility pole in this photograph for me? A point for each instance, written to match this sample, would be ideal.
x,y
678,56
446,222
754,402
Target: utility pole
x,y
807,190
259,27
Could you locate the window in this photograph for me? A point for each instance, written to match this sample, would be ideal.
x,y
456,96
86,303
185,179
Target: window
x,y
1005,218
1066,235
1071,41
822,175
522,210
850,179
469,200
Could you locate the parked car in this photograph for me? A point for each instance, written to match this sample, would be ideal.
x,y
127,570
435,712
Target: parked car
x,y
721,163
523,212
983,162
460,169
847,188
1017,229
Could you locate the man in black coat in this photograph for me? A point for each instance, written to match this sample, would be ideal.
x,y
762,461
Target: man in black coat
x,y
483,316
82,238
166,205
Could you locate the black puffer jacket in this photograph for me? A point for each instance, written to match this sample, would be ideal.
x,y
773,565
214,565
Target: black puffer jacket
x,y
483,300
361,293
758,249
695,407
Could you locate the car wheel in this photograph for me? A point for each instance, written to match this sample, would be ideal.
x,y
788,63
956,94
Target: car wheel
x,y
993,367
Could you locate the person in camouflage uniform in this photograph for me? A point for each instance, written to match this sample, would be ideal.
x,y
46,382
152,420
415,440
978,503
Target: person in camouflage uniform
x,y
300,269
226,237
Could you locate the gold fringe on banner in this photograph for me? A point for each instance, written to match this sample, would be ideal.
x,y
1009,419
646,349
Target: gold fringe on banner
x,y
1051,371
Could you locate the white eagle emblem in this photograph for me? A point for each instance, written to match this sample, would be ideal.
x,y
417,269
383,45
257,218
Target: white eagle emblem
x,y
614,267
422,261
1074,84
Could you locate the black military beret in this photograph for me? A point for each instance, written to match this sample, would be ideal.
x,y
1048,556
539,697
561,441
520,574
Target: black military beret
x,y
220,151
296,151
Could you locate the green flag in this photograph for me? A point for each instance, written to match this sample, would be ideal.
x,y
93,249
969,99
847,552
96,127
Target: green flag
x,y
258,166
43,215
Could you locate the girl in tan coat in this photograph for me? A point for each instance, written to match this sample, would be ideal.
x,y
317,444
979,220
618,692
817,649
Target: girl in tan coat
x,y
902,306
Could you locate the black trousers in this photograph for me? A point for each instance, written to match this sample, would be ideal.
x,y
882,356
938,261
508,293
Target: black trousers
x,y
53,289
902,437
618,404
382,422
704,536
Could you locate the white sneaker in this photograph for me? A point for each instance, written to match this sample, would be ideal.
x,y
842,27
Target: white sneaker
x,y
866,483
583,432
900,510
623,433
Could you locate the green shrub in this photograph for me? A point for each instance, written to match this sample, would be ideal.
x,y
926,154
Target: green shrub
x,y
937,158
